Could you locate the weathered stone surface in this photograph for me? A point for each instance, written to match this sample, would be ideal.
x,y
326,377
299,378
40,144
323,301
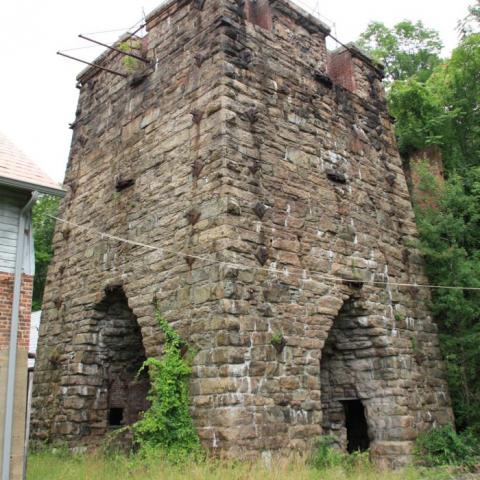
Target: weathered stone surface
x,y
235,118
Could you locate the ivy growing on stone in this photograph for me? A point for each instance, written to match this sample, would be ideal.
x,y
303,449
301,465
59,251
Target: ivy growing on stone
x,y
278,341
167,425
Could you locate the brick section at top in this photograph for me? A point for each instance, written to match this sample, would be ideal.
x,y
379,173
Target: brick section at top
x,y
340,69
259,12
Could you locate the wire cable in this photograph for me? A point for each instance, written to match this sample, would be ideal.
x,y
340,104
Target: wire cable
x,y
79,48
321,275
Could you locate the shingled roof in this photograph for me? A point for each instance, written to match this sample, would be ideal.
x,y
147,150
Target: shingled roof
x,y
18,171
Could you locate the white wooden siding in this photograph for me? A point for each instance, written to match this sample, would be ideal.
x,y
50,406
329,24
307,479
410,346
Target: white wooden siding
x,y
11,203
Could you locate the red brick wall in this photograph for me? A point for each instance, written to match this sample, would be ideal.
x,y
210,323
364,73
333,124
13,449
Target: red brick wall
x,y
6,298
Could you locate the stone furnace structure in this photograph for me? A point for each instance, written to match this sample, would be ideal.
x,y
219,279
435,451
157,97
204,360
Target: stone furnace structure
x,y
259,177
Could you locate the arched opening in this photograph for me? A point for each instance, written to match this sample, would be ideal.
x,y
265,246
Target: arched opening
x,y
122,356
346,372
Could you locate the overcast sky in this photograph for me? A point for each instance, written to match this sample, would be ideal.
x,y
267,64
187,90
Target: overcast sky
x,y
37,88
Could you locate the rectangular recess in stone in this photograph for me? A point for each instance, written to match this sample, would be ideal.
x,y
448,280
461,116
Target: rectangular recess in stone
x,y
323,78
122,184
336,176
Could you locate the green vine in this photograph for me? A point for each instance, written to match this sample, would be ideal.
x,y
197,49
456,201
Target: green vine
x,y
167,427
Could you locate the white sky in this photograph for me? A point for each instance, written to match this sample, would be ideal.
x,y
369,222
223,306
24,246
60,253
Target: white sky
x,y
37,88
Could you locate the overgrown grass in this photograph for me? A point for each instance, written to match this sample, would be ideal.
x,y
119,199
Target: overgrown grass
x,y
60,465
444,446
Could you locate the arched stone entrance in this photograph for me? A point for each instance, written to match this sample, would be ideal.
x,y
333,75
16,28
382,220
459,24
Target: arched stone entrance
x,y
346,374
121,354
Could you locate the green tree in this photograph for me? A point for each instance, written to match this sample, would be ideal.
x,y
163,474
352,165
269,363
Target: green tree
x,y
421,119
438,103
406,50
43,227
450,241
444,110
457,85
471,23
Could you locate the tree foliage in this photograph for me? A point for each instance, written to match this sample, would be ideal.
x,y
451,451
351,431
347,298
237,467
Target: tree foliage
x,y
420,117
444,110
443,446
471,22
437,102
449,231
43,227
457,85
408,49
441,106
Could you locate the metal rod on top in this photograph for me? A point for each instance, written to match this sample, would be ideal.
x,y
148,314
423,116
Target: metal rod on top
x,y
93,65
129,54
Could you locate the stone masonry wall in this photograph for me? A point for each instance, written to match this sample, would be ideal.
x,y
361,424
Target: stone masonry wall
x,y
160,135
273,195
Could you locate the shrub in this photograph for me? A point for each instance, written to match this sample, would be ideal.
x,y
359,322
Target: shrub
x,y
327,455
166,428
444,446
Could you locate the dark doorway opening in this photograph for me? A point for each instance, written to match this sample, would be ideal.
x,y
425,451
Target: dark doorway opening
x,y
115,416
346,372
356,425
